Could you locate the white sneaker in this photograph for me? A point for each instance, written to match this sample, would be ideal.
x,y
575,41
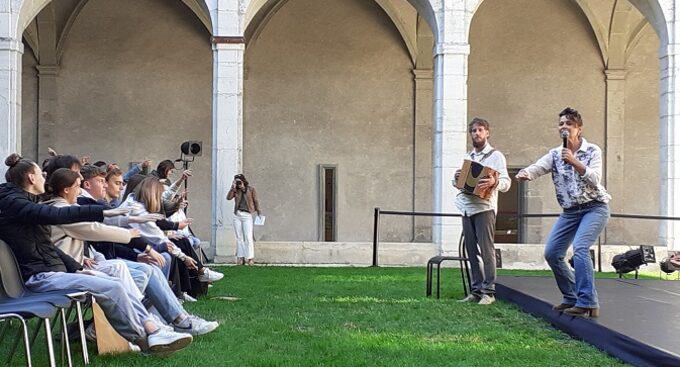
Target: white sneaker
x,y
134,348
210,276
164,342
470,298
160,322
487,300
188,298
197,326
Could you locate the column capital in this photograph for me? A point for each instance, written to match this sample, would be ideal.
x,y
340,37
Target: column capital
x,y
419,74
11,44
47,70
615,74
227,39
451,49
229,46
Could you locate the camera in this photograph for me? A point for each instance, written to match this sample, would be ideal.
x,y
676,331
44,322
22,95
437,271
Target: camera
x,y
238,183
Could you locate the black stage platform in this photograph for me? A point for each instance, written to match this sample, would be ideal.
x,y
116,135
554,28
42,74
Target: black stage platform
x,y
639,320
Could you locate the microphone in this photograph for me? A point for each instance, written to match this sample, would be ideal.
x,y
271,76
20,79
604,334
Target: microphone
x,y
565,135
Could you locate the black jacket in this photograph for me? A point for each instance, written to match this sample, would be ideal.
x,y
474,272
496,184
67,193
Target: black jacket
x,y
25,227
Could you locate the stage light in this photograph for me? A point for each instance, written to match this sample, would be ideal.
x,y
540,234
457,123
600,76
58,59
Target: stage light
x,y
633,259
670,264
192,148
666,266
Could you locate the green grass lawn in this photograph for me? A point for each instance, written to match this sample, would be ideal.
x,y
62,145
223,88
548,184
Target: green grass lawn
x,y
359,317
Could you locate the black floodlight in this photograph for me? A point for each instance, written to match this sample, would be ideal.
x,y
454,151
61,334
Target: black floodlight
x,y
670,264
633,259
192,148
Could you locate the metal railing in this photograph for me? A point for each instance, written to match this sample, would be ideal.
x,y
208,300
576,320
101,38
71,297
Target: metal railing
x,y
377,212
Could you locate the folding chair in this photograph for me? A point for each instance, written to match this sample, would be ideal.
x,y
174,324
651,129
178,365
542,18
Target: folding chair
x,y
12,287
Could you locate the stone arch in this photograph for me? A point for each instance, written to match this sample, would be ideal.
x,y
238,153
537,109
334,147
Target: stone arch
x,y
651,10
31,8
258,13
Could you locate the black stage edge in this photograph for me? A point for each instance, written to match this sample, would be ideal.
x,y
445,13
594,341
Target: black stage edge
x,y
639,320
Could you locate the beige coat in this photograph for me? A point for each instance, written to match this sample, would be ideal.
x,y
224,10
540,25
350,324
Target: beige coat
x,y
251,199
71,238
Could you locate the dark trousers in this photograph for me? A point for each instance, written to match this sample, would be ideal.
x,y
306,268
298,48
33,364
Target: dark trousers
x,y
183,279
479,230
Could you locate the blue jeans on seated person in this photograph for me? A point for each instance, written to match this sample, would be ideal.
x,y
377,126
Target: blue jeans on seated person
x,y
126,314
168,262
580,227
166,268
158,291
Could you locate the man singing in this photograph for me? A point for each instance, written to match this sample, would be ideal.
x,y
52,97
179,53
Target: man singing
x,y
479,215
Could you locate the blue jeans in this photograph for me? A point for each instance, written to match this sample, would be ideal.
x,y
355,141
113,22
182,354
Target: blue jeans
x,y
126,314
581,227
166,268
158,291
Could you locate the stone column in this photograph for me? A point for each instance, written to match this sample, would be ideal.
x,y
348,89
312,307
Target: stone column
x,y
670,145
10,98
423,153
47,107
227,139
615,142
449,139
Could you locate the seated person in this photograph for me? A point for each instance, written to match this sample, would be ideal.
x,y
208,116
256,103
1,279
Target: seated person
x,y
93,191
149,201
24,226
71,237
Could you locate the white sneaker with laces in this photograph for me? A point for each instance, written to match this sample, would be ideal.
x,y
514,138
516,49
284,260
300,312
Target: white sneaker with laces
x,y
470,298
210,276
164,341
487,300
196,326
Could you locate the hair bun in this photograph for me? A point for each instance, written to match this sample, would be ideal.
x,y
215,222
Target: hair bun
x,y
12,160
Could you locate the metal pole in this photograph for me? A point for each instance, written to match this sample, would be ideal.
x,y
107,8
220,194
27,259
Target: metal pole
x,y
376,225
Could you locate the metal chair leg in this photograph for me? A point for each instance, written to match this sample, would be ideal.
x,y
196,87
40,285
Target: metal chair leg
x,y
64,340
27,347
81,326
50,346
439,276
428,280
24,332
462,278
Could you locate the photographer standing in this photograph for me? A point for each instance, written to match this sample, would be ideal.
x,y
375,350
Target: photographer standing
x,y
245,206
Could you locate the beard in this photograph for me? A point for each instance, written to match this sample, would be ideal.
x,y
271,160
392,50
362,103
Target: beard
x,y
479,144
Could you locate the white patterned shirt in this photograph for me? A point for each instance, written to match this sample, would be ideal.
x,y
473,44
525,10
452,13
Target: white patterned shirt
x,y
571,188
